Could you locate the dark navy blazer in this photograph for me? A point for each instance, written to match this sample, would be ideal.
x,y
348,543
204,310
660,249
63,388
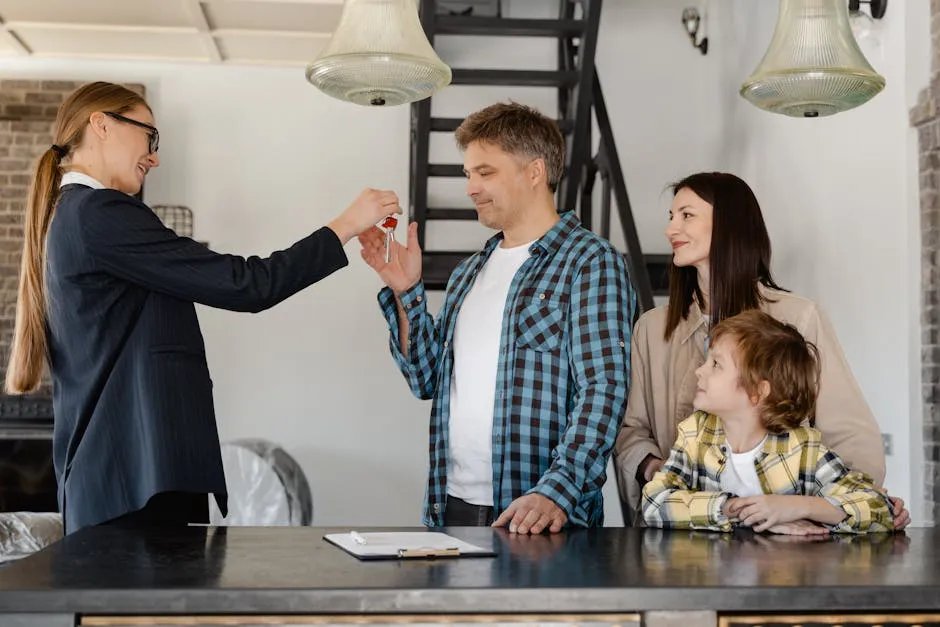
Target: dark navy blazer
x,y
131,390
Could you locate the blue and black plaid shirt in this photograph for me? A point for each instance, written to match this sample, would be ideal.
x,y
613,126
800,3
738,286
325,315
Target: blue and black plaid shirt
x,y
563,372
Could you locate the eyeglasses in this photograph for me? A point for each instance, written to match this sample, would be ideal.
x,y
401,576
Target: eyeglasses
x,y
154,134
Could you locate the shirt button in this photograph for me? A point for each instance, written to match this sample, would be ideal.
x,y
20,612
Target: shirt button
x,y
419,298
623,344
542,296
436,508
445,344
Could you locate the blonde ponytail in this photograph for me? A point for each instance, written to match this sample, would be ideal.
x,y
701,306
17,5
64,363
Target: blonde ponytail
x,y
29,350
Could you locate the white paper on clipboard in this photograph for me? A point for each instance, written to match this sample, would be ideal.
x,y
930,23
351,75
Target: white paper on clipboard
x,y
402,544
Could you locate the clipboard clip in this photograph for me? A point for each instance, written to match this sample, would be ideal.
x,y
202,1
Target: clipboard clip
x,y
428,553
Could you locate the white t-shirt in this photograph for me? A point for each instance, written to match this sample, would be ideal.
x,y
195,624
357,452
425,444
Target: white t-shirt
x,y
473,385
740,476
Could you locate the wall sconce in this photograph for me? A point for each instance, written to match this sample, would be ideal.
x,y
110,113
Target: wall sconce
x,y
693,21
863,24
877,8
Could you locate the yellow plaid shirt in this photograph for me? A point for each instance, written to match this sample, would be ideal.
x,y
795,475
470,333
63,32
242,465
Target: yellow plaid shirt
x,y
687,494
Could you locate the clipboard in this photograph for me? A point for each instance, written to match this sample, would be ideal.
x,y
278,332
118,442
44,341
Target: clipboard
x,y
405,545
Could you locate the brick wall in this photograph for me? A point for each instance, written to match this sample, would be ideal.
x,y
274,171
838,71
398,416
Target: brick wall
x,y
27,112
924,117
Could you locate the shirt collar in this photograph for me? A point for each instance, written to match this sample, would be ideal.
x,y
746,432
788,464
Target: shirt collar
x,y
692,322
549,242
78,178
714,435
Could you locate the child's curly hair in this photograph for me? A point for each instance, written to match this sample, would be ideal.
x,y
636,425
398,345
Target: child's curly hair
x,y
773,351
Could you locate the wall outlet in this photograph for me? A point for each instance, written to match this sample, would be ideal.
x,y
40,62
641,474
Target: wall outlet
x,y
886,441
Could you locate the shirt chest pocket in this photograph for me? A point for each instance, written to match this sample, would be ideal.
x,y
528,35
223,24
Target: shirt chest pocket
x,y
540,323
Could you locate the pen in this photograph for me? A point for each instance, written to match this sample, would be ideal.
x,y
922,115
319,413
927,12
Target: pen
x,y
357,538
455,552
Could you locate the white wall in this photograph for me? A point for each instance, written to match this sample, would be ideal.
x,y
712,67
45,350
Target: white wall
x,y
262,158
918,74
663,97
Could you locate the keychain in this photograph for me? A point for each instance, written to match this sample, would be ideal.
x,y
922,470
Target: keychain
x,y
389,224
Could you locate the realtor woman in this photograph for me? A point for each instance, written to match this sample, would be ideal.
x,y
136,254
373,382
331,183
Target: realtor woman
x,y
106,300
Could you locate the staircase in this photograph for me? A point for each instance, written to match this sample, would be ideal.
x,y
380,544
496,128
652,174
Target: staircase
x,y
580,98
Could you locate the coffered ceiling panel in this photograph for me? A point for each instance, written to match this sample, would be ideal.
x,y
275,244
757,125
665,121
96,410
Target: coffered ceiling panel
x,y
133,12
270,49
124,44
217,31
272,16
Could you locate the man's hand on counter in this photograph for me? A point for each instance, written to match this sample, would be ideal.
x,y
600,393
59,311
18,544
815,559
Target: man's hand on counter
x,y
532,513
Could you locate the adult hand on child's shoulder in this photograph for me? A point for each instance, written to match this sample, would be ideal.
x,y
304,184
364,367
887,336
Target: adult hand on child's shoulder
x,y
650,466
902,517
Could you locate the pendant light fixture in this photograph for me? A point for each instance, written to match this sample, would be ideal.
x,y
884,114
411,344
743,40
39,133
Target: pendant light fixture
x,y
379,56
813,66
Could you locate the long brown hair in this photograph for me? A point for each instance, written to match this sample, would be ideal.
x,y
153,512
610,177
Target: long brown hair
x,y
739,258
29,350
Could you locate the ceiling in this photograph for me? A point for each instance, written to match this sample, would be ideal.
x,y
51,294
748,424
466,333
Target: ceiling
x,y
272,32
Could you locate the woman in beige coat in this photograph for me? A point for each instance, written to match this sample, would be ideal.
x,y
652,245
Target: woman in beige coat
x,y
721,266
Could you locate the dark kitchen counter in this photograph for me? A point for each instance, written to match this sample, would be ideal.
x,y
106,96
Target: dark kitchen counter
x,y
205,570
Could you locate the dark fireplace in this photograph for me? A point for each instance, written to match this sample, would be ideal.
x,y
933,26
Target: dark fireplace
x,y
27,476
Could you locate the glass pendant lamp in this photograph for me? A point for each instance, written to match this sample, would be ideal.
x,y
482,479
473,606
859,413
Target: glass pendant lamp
x,y
813,66
379,56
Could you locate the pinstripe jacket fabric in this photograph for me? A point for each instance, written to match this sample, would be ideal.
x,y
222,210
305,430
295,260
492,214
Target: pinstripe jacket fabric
x,y
563,372
687,494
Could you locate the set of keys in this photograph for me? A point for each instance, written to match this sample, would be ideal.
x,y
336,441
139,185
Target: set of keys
x,y
389,225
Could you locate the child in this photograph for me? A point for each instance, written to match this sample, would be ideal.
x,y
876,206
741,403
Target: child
x,y
743,458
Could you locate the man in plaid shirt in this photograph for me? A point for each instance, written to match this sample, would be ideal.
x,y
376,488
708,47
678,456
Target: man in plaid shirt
x,y
527,362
